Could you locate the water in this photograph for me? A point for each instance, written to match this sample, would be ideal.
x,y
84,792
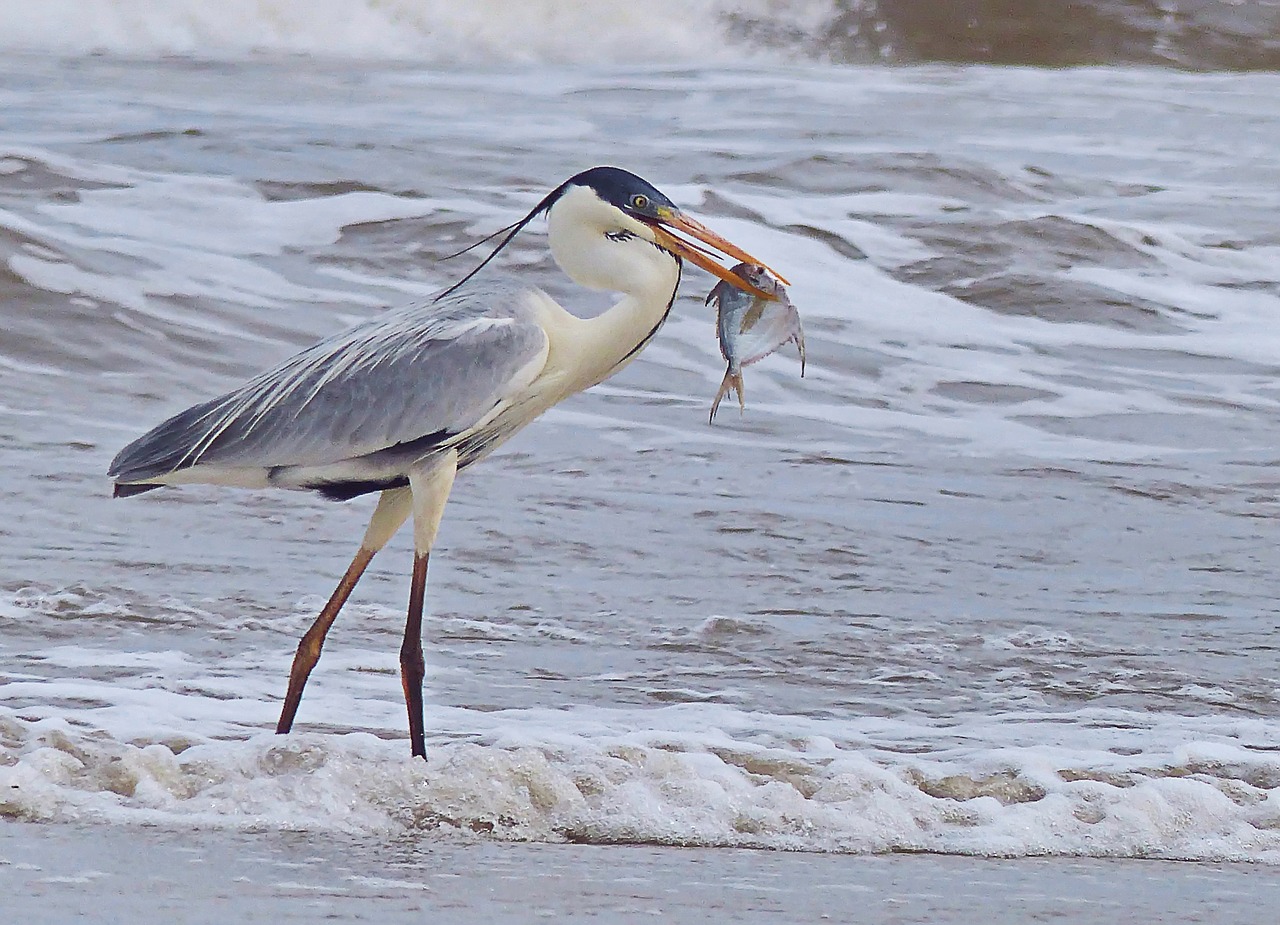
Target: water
x,y
1193,34
997,577
292,878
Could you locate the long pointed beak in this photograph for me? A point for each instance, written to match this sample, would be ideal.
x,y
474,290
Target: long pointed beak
x,y
678,221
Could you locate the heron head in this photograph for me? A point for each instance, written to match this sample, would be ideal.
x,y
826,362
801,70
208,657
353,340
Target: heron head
x,y
624,206
647,212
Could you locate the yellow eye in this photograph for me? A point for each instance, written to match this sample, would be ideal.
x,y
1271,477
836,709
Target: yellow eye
x,y
640,201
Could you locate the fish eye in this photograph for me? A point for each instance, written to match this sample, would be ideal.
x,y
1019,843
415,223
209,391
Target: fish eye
x,y
639,201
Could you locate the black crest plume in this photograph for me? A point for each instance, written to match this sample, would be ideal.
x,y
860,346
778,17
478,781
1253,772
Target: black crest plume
x,y
511,231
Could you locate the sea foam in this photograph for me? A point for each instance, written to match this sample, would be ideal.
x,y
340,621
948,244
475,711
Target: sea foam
x,y
478,31
655,779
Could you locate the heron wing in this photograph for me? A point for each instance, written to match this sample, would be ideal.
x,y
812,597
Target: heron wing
x,y
428,370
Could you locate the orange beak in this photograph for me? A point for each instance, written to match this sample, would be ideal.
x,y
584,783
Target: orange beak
x,y
699,256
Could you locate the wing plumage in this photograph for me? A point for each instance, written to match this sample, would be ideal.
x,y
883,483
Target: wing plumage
x,y
411,377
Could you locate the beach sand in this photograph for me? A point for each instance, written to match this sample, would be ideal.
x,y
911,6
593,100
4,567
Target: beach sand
x,y
59,873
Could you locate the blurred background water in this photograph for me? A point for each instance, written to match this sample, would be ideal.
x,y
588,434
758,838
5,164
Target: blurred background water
x,y
998,576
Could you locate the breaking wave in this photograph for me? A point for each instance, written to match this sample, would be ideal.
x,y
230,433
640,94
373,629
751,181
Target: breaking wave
x,y
1197,34
559,776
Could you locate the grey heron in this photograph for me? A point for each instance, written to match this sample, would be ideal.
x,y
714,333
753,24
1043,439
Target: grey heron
x,y
402,402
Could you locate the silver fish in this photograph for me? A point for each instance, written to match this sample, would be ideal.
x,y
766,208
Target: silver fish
x,y
751,327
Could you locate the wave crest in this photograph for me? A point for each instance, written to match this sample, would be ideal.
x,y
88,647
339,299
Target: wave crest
x,y
1206,802
1198,34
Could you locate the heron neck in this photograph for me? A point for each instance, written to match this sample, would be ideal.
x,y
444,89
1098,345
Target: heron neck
x,y
586,351
615,337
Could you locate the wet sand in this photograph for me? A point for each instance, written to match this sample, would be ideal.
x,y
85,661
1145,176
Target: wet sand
x,y
56,873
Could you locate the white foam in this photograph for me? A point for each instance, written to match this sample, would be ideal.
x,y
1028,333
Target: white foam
x,y
424,31
161,734
158,236
689,775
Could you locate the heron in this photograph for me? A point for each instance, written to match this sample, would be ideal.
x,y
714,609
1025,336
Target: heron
x,y
402,402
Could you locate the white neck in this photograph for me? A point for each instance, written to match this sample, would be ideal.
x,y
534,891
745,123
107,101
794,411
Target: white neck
x,y
579,225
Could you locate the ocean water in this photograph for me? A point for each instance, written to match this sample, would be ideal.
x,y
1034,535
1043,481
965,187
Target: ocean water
x,y
1195,34
998,577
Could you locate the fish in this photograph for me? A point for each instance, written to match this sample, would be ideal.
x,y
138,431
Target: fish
x,y
751,327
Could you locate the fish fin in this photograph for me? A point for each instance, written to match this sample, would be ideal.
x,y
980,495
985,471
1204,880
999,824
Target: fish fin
x,y
799,338
731,382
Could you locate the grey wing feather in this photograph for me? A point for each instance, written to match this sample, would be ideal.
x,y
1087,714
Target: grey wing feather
x,y
433,368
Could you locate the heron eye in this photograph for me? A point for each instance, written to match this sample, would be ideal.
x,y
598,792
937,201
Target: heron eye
x,y
640,201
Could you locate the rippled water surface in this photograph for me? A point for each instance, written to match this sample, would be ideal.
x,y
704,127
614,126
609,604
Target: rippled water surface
x,y
998,576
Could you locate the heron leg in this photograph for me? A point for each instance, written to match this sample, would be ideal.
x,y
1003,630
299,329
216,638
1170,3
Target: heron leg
x,y
430,487
392,511
413,666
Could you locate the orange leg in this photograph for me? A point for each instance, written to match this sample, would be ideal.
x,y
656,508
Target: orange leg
x,y
309,648
392,511
412,665
430,486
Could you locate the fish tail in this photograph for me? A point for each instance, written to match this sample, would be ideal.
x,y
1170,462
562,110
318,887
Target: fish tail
x,y
732,382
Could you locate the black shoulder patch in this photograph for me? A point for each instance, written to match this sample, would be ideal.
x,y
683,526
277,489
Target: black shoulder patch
x,y
128,491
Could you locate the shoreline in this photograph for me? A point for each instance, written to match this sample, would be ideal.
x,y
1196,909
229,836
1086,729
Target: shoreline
x,y
53,872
